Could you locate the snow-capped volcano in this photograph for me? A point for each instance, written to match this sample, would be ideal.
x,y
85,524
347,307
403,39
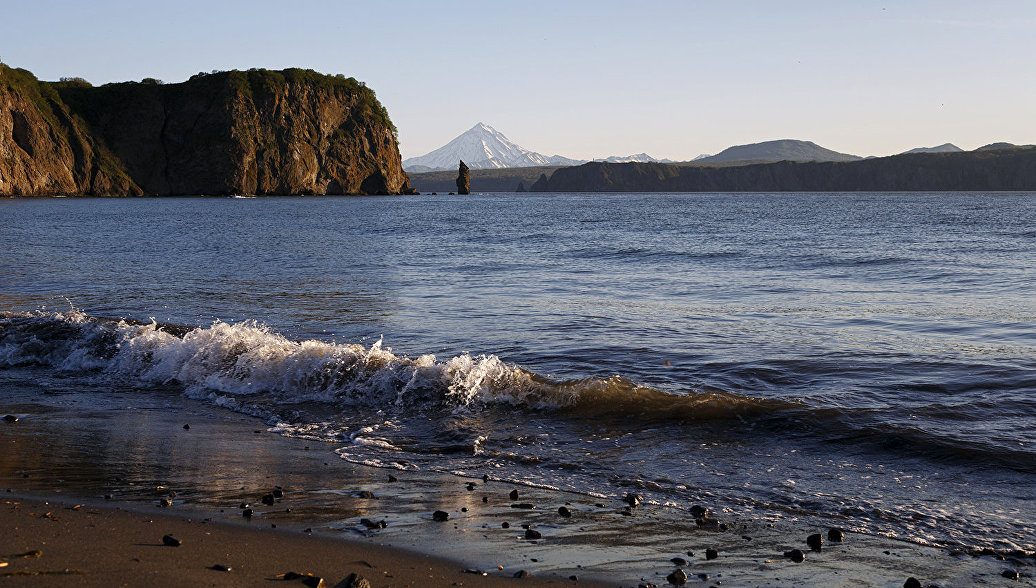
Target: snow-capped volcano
x,y
483,147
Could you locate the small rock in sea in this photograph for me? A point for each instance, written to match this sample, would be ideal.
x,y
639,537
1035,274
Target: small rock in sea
x,y
574,578
632,499
795,555
10,418
514,494
221,568
699,512
171,541
267,499
165,502
109,496
532,534
440,515
506,525
186,427
722,526
690,554
746,537
835,535
912,582
524,505
711,553
1010,574
247,513
392,478
564,512
244,505
815,542
521,574
277,493
485,477
677,578
703,577
679,561
485,499
470,486
464,509
354,581
367,494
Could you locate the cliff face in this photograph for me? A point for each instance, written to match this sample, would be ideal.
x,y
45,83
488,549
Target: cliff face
x,y
1002,170
255,132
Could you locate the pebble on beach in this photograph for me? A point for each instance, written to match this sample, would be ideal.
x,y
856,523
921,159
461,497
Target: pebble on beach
x,y
10,418
912,582
532,534
514,494
1009,574
677,578
632,499
836,535
711,553
221,568
564,512
795,555
171,541
440,515
815,542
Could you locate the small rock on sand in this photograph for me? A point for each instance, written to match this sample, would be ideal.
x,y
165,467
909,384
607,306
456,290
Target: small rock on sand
x,y
440,515
795,555
679,561
10,418
699,512
815,542
677,578
247,513
514,494
186,427
267,499
171,541
1009,574
632,499
532,534
564,512
711,554
354,581
835,535
912,583
221,568
392,478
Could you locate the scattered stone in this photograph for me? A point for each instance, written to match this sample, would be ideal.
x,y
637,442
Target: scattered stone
x,y
464,509
277,493
370,524
514,494
485,499
532,534
392,478
677,578
470,486
815,542
171,541
165,502
506,525
699,512
711,553
574,578
221,568
247,513
367,494
525,505
440,515
10,418
267,499
912,582
722,526
632,499
244,505
746,537
564,512
521,574
472,570
354,581
679,561
690,554
835,535
109,496
485,477
704,577
1010,574
795,555
186,427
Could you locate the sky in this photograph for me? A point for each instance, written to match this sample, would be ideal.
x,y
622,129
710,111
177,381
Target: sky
x,y
590,79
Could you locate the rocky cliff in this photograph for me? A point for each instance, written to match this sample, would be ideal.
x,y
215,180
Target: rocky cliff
x,y
256,132
988,170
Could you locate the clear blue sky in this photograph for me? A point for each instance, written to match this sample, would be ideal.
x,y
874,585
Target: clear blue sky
x,y
591,79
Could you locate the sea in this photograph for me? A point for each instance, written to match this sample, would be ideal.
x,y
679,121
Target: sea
x,y
859,360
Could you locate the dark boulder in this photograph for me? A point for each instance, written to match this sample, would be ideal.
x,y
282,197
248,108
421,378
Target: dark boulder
x,y
440,515
815,542
171,541
677,578
835,535
795,555
463,179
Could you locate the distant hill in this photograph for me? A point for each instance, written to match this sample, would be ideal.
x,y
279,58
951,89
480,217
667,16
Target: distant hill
x,y
980,170
482,147
482,180
638,158
779,150
944,148
997,146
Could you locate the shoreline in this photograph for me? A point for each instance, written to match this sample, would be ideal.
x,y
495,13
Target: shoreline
x,y
87,545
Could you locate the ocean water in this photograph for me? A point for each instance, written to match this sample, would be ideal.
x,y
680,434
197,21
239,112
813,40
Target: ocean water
x,y
865,361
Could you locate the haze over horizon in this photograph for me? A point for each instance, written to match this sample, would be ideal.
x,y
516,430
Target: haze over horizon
x,y
593,79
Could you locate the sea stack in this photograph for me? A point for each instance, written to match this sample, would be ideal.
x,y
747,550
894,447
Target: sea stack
x,y
463,179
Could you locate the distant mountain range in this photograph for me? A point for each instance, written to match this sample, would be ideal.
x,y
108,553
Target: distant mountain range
x,y
483,147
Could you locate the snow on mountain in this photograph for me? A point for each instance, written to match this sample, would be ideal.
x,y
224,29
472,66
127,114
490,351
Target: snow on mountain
x,y
482,147
638,158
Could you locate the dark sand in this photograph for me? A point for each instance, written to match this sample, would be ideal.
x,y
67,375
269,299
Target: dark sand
x,y
91,546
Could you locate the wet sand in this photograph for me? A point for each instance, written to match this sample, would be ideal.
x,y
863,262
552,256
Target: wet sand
x,y
61,544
